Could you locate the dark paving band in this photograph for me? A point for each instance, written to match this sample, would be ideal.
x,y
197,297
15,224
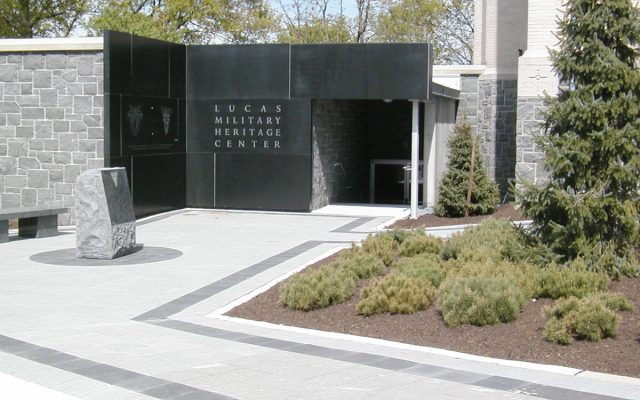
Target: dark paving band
x,y
123,378
349,228
175,306
388,363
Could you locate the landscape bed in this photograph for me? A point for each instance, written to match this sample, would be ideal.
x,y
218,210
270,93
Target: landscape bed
x,y
521,339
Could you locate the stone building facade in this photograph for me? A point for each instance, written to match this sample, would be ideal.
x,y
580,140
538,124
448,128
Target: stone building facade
x,y
51,120
512,41
536,79
51,108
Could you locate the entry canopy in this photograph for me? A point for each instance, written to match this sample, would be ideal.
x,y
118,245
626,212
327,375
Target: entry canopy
x,y
324,71
374,71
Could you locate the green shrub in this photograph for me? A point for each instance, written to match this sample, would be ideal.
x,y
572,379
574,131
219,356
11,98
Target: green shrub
x,y
582,319
452,199
614,301
400,235
603,259
556,281
363,264
426,267
589,204
397,294
419,244
382,246
487,241
318,288
479,300
524,276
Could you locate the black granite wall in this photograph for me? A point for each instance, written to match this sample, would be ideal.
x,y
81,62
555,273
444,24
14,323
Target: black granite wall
x,y
145,112
231,126
249,143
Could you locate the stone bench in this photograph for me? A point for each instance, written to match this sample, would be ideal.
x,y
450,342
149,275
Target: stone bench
x,y
33,222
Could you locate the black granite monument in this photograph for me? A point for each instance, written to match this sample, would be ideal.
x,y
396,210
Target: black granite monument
x,y
231,126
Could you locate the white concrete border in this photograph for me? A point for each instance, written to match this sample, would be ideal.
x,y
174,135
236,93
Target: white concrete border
x,y
51,44
19,389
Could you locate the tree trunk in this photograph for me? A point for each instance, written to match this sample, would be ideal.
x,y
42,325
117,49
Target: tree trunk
x,y
470,180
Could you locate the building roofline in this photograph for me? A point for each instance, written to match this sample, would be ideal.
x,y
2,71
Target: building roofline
x,y
459,69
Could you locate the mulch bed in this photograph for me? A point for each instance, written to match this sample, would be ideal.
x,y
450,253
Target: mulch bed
x,y
430,220
519,340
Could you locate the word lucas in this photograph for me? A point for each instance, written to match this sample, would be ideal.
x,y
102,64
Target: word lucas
x,y
238,126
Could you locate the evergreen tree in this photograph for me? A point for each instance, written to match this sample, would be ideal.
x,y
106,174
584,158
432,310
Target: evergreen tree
x,y
589,205
455,184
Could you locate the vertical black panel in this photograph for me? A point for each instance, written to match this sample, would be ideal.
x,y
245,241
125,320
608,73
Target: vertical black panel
x,y
112,128
149,67
117,62
397,71
238,72
182,125
177,70
158,183
200,179
362,71
328,71
145,121
263,182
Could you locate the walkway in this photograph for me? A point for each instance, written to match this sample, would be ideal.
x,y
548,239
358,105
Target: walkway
x,y
155,329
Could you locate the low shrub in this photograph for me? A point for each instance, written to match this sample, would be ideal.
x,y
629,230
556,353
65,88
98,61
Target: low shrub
x,y
382,246
571,280
397,294
603,259
486,241
400,235
420,244
614,301
364,265
479,300
318,288
523,276
426,267
588,318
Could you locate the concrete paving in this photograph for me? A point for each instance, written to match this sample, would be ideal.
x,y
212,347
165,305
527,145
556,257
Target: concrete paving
x,y
155,328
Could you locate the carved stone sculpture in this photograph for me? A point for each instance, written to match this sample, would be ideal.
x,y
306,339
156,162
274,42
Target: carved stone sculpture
x,y
105,223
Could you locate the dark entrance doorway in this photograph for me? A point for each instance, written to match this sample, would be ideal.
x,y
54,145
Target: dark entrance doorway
x,y
362,151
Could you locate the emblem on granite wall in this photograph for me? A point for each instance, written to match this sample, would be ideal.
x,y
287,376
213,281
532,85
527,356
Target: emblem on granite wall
x,y
135,119
166,118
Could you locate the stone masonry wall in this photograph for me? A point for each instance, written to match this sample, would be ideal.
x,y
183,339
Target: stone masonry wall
x,y
530,158
340,160
497,128
490,107
51,125
468,104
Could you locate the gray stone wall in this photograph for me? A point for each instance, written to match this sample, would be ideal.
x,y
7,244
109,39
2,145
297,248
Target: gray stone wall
x,y
530,158
51,125
497,112
468,104
491,109
340,159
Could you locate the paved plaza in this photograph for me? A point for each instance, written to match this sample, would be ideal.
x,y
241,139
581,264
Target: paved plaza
x,y
152,324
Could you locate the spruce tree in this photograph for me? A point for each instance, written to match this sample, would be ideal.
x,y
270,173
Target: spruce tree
x,y
589,205
454,187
